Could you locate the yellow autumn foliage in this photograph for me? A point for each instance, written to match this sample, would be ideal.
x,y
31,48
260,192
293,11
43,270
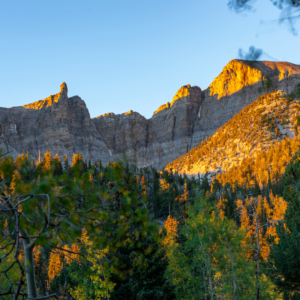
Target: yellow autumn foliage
x,y
99,276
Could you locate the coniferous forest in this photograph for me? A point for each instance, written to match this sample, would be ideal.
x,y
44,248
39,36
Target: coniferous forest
x,y
74,229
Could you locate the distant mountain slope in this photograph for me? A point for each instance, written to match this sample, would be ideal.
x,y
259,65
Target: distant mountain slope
x,y
63,125
264,134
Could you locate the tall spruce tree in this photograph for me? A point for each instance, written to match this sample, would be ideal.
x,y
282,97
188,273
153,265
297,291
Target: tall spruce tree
x,y
285,255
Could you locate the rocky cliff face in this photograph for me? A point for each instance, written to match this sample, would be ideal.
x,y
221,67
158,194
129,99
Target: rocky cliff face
x,y
58,123
63,125
239,84
192,116
162,138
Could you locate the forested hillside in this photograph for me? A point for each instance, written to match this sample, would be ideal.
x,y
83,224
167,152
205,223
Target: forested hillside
x,y
255,145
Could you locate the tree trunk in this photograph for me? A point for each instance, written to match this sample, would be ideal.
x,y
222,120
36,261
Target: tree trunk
x,y
29,267
257,257
232,269
207,264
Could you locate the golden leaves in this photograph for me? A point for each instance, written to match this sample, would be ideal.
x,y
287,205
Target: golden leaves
x,y
77,157
163,184
55,265
258,217
221,205
171,227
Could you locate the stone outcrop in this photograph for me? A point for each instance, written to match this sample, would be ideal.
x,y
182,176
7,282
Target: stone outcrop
x,y
57,123
192,116
238,74
49,101
155,141
63,125
234,89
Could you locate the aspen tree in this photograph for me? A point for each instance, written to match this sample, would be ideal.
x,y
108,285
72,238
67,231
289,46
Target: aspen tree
x,y
48,159
258,229
55,265
211,262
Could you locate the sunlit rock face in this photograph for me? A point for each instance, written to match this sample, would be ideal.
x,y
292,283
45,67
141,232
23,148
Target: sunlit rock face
x,y
49,101
238,74
184,91
239,84
192,115
171,131
58,123
63,125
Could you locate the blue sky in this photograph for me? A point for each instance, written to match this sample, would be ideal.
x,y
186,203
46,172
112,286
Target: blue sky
x,y
123,55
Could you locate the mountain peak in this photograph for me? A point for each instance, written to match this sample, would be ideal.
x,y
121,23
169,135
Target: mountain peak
x,y
63,87
49,101
184,91
240,73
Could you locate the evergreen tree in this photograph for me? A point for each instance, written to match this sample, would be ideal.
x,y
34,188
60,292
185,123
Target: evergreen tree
x,y
66,163
285,255
146,281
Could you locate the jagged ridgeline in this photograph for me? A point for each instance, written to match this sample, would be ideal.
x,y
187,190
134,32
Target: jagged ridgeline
x,y
63,125
255,145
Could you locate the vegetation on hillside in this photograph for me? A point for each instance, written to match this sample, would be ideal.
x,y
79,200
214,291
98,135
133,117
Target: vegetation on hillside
x,y
252,142
86,231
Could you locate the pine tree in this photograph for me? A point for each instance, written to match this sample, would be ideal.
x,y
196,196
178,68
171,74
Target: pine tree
x,y
285,255
66,163
57,165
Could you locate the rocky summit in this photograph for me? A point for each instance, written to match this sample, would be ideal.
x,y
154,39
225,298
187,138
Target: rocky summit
x,y
63,125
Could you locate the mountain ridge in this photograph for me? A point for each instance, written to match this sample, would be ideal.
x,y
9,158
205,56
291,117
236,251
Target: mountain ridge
x,y
63,125
271,119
